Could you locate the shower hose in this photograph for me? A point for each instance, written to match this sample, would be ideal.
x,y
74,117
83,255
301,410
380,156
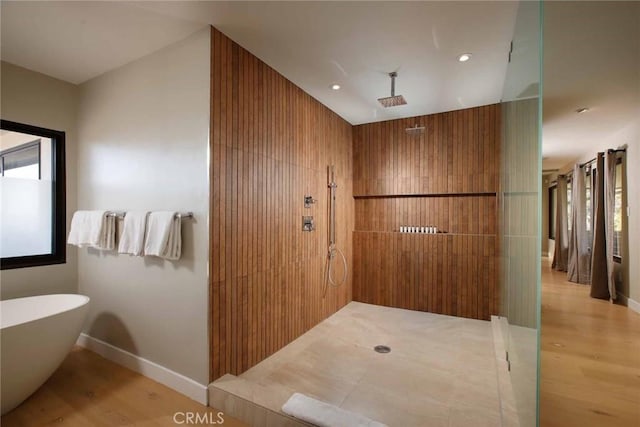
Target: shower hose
x,y
332,254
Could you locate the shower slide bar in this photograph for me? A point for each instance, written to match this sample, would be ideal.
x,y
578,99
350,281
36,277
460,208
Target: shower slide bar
x,y
182,215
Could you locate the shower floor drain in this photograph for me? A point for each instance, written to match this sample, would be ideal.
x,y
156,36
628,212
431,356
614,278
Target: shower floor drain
x,y
382,349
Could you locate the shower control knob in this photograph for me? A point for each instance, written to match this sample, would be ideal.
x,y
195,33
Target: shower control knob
x,y
308,201
308,224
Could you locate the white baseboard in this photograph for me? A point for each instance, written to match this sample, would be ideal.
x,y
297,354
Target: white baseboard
x,y
171,379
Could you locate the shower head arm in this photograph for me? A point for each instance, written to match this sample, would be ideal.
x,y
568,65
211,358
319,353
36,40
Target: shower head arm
x,y
393,100
393,83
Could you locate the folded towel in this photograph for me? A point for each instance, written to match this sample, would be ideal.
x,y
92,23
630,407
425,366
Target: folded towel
x,y
93,229
132,237
163,236
323,414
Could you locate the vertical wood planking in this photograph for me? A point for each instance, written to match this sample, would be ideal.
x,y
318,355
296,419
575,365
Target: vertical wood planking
x,y
456,158
270,145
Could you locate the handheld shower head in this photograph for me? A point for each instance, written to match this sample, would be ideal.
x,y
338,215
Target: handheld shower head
x,y
393,100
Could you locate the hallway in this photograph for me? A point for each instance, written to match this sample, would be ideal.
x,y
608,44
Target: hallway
x,y
590,374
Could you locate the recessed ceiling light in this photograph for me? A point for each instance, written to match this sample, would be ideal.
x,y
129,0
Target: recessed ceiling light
x,y
335,86
582,110
464,57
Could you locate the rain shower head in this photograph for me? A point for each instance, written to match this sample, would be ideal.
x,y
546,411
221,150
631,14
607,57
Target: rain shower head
x,y
393,100
416,130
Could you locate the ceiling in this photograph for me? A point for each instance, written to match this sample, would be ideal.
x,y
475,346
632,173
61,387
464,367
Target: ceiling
x,y
356,44
591,53
10,139
78,40
313,44
591,59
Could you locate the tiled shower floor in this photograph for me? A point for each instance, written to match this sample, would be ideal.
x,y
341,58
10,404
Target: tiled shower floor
x,y
441,370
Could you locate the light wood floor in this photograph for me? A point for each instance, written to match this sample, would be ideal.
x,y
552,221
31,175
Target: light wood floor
x,y
88,390
590,358
590,374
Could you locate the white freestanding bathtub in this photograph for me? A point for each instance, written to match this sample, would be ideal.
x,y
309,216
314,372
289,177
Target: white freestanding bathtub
x,y
36,334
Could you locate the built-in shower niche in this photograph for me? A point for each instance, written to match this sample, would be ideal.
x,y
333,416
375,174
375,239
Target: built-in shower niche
x,y
471,213
445,177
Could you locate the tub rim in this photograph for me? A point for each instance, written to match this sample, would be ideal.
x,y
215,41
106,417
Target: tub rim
x,y
83,301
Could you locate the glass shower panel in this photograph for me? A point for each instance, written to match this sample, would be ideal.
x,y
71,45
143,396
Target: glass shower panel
x,y
521,203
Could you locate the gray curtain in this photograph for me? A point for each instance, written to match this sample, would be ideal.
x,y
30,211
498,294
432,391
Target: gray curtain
x,y
561,252
610,162
599,275
579,264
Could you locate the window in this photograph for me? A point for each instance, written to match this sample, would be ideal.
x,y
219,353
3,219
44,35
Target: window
x,y
588,184
22,161
569,215
553,203
617,214
32,189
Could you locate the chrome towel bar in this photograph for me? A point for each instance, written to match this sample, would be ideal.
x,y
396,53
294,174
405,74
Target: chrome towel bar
x,y
182,215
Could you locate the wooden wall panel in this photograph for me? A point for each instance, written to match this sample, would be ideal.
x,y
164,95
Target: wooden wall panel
x,y
442,273
457,153
447,177
271,144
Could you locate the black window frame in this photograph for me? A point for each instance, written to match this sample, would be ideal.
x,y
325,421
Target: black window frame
x,y
58,201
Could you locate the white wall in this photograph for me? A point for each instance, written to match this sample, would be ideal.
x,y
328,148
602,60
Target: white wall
x,y
143,145
633,201
630,268
36,99
630,136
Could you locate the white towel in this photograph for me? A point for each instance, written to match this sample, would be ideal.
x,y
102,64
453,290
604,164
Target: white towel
x,y
163,236
92,229
132,237
323,414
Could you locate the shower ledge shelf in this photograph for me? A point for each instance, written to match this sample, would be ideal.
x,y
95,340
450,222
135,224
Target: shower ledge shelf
x,y
383,196
425,234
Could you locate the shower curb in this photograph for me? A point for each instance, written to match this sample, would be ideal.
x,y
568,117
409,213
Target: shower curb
x,y
244,409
